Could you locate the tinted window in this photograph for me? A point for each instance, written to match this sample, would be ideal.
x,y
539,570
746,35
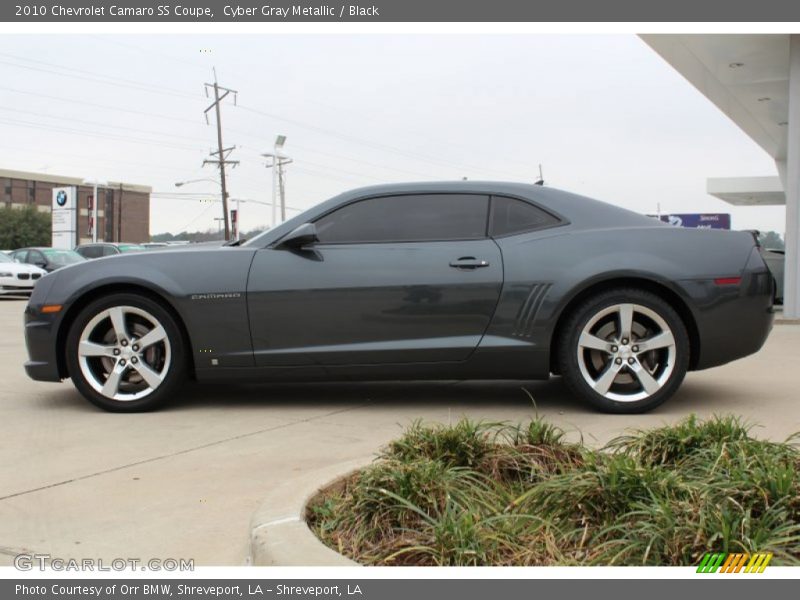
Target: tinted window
x,y
20,255
413,218
90,251
109,251
61,258
515,216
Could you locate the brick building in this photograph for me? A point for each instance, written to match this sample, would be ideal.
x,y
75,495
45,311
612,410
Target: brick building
x,y
123,210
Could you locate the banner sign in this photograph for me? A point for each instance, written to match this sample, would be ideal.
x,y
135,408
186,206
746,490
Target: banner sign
x,y
64,217
699,220
251,588
245,11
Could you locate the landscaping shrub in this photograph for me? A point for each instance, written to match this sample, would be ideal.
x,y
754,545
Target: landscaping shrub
x,y
496,494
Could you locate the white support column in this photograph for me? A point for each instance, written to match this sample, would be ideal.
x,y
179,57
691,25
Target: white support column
x,y
791,306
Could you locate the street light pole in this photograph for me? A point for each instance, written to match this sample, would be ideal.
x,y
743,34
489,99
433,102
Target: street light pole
x,y
95,183
278,160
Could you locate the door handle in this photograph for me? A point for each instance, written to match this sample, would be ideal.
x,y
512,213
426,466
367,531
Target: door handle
x,y
469,262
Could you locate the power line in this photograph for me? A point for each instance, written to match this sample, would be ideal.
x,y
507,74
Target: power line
x,y
362,141
100,124
96,105
96,134
95,77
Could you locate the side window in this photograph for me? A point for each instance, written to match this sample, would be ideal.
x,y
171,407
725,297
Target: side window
x,y
34,257
409,218
21,256
511,216
93,251
109,251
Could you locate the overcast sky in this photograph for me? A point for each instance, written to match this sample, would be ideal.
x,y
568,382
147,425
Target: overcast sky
x,y
604,115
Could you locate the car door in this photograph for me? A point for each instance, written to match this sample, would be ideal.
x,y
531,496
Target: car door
x,y
393,279
37,258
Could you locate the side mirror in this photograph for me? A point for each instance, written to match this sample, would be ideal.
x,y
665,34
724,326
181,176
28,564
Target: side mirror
x,y
302,236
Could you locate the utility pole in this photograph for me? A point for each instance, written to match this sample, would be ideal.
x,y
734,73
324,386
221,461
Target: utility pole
x,y
119,211
222,153
279,160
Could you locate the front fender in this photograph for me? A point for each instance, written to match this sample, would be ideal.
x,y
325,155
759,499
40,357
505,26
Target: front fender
x,y
206,288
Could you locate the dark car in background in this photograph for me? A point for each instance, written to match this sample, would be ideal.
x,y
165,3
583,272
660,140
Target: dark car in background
x,y
101,249
462,280
776,261
49,259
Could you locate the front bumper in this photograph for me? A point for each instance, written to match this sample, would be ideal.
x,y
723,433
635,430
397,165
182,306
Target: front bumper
x,y
41,335
41,340
15,287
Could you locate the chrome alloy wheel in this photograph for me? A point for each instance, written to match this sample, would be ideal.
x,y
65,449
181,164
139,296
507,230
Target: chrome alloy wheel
x,y
626,352
124,353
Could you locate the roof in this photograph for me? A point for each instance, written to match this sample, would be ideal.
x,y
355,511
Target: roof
x,y
63,180
579,212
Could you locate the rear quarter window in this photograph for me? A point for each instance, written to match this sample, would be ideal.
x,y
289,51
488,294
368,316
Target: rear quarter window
x,y
510,216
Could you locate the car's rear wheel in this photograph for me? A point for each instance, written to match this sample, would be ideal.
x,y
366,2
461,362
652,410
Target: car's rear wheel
x,y
125,353
624,351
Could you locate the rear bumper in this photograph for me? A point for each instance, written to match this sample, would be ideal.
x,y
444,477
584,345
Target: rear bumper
x,y
733,321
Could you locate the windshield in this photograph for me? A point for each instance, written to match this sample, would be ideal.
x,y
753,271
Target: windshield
x,y
5,257
130,248
63,258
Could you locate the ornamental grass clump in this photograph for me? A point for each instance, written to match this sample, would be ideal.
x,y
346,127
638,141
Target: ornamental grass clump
x,y
496,494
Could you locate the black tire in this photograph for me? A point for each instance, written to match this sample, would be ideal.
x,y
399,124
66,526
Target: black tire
x,y
572,355
174,370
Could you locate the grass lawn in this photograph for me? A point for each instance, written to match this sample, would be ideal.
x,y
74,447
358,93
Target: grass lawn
x,y
495,494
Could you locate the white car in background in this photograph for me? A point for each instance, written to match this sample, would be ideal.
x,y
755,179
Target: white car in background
x,y
17,278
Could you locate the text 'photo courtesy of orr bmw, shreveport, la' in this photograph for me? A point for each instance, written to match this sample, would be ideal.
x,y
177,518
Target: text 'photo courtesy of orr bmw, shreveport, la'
x,y
464,280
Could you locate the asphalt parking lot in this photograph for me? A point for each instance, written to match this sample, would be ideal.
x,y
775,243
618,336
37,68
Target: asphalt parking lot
x,y
184,482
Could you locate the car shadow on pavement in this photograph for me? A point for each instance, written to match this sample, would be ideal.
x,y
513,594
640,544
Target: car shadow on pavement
x,y
550,395
405,393
532,397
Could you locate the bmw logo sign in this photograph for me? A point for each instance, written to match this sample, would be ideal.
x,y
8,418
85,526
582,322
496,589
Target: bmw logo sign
x,y
61,198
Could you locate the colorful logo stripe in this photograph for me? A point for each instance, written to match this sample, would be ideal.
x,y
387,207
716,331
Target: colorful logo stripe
x,y
734,562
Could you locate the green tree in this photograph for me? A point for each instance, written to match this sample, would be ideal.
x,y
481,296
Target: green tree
x,y
771,240
24,227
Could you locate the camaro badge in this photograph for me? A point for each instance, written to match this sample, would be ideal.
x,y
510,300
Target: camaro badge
x,y
215,296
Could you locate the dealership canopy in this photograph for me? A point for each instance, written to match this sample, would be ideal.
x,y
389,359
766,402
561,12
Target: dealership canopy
x,y
754,80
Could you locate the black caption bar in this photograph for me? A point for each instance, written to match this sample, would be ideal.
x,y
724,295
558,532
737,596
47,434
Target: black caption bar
x,y
401,10
731,588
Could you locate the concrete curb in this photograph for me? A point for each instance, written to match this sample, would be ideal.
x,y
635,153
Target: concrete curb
x,y
279,535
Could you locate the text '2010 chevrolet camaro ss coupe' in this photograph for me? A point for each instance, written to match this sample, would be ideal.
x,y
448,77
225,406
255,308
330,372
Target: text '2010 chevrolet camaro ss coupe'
x,y
464,280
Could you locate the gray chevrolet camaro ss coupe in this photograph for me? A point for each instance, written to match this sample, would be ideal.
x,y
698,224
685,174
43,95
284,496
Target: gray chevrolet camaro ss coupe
x,y
464,280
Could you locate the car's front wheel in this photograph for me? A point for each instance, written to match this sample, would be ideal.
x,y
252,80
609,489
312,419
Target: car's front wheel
x,y
124,353
624,351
